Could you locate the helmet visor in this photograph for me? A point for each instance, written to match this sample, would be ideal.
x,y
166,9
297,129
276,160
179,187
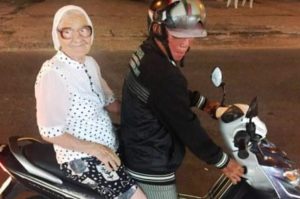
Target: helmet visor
x,y
186,27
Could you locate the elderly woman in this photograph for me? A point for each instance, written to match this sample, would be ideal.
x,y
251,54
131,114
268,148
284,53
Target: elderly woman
x,y
72,100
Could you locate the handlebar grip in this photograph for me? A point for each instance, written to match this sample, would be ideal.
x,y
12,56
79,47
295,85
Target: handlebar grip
x,y
241,140
243,154
245,169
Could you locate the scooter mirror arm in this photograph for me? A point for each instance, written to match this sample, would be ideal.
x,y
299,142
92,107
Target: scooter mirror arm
x,y
251,129
217,80
224,94
16,151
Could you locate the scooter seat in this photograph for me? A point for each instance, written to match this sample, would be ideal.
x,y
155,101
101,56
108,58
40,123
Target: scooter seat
x,y
43,156
34,165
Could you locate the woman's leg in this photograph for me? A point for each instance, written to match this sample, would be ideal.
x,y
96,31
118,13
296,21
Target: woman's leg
x,y
139,194
109,184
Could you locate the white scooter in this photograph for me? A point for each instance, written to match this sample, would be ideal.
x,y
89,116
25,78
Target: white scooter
x,y
269,173
268,170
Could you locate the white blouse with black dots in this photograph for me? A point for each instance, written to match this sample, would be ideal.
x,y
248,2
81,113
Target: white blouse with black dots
x,y
70,98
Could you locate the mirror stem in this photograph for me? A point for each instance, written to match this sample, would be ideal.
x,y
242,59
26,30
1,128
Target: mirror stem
x,y
224,93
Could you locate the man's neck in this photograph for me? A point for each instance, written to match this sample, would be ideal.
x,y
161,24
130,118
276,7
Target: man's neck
x,y
164,51
161,46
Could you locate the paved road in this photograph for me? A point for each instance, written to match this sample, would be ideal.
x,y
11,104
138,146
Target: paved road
x,y
272,75
121,24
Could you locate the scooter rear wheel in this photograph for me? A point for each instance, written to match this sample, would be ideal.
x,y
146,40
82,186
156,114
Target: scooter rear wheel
x,y
16,190
37,197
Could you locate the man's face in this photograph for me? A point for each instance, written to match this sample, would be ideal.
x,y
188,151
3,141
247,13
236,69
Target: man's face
x,y
178,46
74,40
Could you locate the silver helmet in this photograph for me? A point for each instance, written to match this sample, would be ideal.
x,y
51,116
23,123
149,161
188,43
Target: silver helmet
x,y
182,18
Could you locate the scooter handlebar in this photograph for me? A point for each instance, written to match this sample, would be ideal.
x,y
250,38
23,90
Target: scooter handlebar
x,y
241,140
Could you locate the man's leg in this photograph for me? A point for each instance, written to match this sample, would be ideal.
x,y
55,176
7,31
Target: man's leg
x,y
236,4
139,194
244,2
251,3
228,3
159,191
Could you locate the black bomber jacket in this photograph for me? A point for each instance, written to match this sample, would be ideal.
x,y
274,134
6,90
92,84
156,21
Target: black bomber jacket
x,y
156,118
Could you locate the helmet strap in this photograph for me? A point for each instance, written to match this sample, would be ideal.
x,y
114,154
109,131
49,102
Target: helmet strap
x,y
165,42
181,62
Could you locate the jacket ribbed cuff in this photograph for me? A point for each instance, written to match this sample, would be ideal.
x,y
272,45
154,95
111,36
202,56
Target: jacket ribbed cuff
x,y
201,102
223,162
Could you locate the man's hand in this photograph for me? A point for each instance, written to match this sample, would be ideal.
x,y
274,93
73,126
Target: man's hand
x,y
233,171
211,107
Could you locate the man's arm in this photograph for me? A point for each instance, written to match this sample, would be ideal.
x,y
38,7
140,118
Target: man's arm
x,y
171,103
202,103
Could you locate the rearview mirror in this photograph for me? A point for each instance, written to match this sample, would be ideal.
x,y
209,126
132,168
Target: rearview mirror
x,y
216,77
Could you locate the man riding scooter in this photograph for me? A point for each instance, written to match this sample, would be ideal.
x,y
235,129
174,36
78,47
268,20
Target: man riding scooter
x,y
156,117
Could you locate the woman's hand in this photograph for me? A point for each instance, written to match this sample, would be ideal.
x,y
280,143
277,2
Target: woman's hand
x,y
107,156
114,107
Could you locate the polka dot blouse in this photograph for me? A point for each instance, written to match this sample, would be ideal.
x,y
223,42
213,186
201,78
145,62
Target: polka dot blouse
x,y
70,98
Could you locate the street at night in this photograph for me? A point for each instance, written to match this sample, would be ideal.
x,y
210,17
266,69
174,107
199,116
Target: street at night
x,y
257,49
271,75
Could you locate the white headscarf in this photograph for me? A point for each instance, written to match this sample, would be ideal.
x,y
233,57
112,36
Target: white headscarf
x,y
57,18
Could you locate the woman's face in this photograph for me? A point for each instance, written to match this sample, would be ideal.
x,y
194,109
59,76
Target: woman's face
x,y
75,35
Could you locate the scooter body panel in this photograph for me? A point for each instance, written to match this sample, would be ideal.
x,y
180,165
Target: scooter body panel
x,y
267,166
40,185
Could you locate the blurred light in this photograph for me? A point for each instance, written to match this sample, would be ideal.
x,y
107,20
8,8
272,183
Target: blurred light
x,y
292,176
3,168
5,185
158,4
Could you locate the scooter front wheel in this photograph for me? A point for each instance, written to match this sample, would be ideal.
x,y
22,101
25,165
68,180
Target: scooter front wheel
x,y
224,189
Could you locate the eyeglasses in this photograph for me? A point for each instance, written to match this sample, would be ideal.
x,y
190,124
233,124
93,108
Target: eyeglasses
x,y
68,33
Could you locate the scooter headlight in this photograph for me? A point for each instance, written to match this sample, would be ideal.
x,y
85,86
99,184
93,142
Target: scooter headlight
x,y
292,177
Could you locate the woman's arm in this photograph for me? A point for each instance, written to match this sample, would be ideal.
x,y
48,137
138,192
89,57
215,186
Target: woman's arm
x,y
114,107
101,152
